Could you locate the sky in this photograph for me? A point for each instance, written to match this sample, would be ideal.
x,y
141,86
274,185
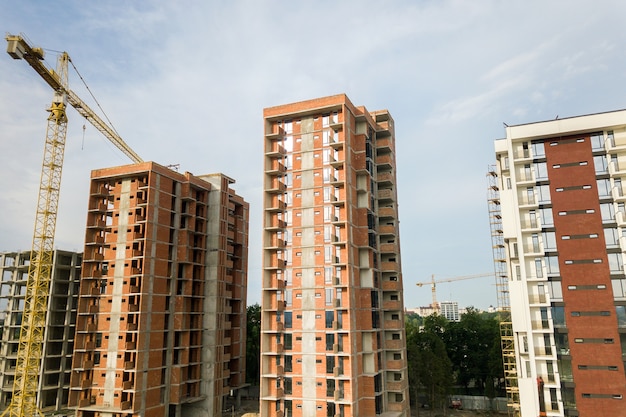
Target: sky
x,y
185,83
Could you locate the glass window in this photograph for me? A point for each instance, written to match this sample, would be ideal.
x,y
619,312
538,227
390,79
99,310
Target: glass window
x,y
532,214
608,212
549,241
538,268
611,237
552,265
530,195
558,316
619,288
597,141
288,320
538,150
615,262
556,291
621,315
546,217
535,242
541,171
543,192
600,163
604,187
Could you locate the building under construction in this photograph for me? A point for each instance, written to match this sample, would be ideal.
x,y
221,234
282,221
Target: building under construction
x,y
60,325
162,309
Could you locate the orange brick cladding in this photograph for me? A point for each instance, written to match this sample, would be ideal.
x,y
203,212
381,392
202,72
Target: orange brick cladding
x,y
333,341
160,329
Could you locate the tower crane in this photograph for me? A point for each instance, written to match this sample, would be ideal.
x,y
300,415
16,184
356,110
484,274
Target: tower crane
x,y
433,283
29,354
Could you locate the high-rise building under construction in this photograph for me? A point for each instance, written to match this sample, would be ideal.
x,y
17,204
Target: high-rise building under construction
x,y
56,363
162,310
563,222
333,341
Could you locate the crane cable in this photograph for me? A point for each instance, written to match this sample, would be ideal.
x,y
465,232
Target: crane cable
x,y
92,96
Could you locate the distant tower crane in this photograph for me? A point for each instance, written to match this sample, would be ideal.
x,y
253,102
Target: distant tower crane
x,y
29,354
433,283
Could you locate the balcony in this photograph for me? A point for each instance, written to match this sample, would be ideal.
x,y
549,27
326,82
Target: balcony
x,y
275,150
276,187
387,230
385,194
390,267
389,248
384,178
385,161
387,212
276,169
276,205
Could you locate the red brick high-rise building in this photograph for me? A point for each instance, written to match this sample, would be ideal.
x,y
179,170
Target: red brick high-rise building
x,y
333,341
161,318
562,199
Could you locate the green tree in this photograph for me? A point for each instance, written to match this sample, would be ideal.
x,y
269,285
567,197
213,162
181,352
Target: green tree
x,y
430,369
472,345
253,344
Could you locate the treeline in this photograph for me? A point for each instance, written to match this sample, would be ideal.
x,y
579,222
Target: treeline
x,y
447,357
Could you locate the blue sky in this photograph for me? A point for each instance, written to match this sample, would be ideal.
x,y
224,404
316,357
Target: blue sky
x,y
186,82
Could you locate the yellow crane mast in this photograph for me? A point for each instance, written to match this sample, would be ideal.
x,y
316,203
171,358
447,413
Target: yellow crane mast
x,y
24,399
433,283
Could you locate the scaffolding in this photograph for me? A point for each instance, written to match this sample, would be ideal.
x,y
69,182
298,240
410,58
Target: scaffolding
x,y
507,338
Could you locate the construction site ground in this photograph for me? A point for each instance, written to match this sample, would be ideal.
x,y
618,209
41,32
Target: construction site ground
x,y
252,406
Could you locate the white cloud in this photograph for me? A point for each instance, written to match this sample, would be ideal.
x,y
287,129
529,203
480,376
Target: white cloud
x,y
187,84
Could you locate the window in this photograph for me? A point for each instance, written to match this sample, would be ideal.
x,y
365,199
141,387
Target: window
x,y
541,171
556,291
287,385
330,364
600,163
549,241
538,150
552,265
597,141
543,192
546,217
532,215
538,268
620,311
611,237
607,210
558,316
535,242
619,288
615,262
330,387
288,320
329,317
604,188
330,341
288,341
530,195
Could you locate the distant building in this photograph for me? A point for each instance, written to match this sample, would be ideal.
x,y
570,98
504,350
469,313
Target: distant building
x,y
58,344
449,310
563,221
333,341
162,312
